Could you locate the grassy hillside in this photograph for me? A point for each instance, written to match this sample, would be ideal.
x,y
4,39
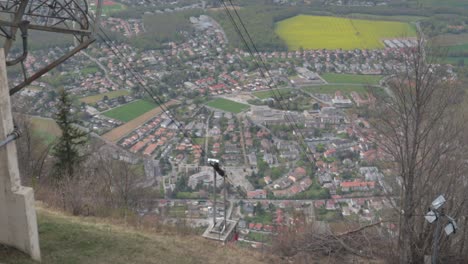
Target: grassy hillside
x,y
73,240
45,128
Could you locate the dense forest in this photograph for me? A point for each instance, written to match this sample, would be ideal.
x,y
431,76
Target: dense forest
x,y
163,28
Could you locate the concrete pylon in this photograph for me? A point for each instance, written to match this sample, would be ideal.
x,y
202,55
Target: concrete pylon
x,y
18,224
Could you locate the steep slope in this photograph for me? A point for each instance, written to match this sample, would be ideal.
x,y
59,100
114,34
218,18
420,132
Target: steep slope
x,y
75,240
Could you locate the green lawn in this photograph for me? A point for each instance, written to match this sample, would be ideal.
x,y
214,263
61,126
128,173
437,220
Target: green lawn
x,y
352,78
110,8
331,89
96,98
259,237
265,218
187,195
130,111
321,32
325,215
227,105
272,93
90,70
314,192
199,141
178,211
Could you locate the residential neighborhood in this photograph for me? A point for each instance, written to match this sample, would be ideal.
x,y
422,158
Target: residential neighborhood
x,y
295,142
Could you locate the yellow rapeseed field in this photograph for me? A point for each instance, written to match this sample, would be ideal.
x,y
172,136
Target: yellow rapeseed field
x,y
322,32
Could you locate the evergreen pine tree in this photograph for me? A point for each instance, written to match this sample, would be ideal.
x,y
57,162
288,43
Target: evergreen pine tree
x,y
67,149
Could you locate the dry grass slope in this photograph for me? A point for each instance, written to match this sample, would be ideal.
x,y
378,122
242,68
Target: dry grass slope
x,y
77,240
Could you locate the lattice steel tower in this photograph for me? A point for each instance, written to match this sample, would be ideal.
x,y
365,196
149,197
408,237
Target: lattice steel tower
x,y
71,17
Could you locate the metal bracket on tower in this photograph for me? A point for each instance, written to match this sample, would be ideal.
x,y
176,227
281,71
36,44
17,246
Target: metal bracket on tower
x,y
11,137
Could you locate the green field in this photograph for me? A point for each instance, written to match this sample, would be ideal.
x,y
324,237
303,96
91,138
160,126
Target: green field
x,y
130,111
109,8
352,78
450,40
400,18
96,98
455,60
227,105
331,89
272,93
321,32
458,48
445,3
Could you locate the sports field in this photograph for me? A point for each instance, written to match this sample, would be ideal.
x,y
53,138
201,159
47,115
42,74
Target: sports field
x,y
322,32
272,93
119,132
331,89
130,111
98,97
351,78
227,105
109,7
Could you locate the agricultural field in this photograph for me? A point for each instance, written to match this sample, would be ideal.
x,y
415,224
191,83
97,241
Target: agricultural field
x,y
458,49
130,111
98,97
400,18
452,48
321,32
351,78
446,40
227,105
445,3
272,93
459,61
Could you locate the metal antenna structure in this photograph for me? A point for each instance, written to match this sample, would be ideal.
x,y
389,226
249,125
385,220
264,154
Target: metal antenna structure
x,y
217,170
220,231
68,17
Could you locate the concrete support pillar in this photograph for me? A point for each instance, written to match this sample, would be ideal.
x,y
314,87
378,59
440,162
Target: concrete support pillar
x,y
18,224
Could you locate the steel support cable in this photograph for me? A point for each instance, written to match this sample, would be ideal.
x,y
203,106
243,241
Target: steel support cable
x,y
265,76
117,53
156,98
290,120
261,60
